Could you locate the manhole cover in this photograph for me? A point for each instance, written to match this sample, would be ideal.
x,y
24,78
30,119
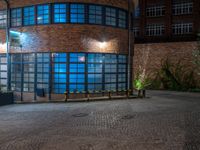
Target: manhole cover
x,y
128,117
80,115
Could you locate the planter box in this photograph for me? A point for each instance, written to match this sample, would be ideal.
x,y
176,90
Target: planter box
x,y
6,98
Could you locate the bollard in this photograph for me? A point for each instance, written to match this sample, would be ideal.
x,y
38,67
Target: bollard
x,y
109,95
128,93
143,93
88,95
66,96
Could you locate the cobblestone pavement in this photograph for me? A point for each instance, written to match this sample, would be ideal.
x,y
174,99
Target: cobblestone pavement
x,y
166,121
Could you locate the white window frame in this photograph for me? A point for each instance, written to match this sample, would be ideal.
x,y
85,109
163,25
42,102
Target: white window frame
x,y
182,28
183,8
155,29
155,11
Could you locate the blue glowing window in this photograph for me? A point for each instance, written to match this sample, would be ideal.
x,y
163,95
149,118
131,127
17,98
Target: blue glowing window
x,y
43,14
121,77
95,14
77,78
95,78
60,78
77,13
95,58
111,18
77,87
61,68
77,57
77,68
122,68
95,87
122,17
95,68
16,17
110,68
110,86
122,59
109,58
110,78
60,13
60,57
59,88
121,86
29,15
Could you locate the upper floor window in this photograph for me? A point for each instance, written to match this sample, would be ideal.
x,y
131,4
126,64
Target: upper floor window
x,y
155,29
122,19
29,15
16,17
182,8
60,13
3,17
137,12
111,16
95,14
155,11
43,14
182,28
77,13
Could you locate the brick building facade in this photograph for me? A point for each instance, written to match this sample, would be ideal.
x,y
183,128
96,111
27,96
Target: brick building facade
x,y
58,46
165,29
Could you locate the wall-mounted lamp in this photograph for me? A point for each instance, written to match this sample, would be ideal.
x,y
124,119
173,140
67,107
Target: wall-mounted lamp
x,y
102,44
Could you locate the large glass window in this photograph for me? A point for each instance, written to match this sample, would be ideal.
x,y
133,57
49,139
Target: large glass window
x,y
77,13
77,72
111,16
3,72
3,17
16,72
29,15
95,14
122,19
29,72
65,13
16,17
59,73
110,72
43,13
93,72
60,13
95,69
43,71
122,72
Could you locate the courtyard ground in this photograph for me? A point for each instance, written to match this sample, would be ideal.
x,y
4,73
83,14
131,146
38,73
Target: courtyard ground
x,y
166,121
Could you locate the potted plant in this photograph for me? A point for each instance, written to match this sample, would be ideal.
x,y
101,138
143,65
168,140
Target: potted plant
x,y
141,82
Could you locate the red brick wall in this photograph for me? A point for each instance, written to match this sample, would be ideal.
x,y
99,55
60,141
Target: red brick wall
x,y
69,37
150,56
73,38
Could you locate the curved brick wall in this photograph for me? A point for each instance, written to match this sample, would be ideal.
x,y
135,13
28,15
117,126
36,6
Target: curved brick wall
x,y
73,38
70,37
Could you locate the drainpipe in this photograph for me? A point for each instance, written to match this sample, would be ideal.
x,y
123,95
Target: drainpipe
x,y
129,45
8,44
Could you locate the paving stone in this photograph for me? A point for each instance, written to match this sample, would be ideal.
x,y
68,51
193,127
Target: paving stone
x,y
166,121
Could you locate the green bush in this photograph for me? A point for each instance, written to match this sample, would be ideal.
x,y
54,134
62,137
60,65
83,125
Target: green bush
x,y
174,77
